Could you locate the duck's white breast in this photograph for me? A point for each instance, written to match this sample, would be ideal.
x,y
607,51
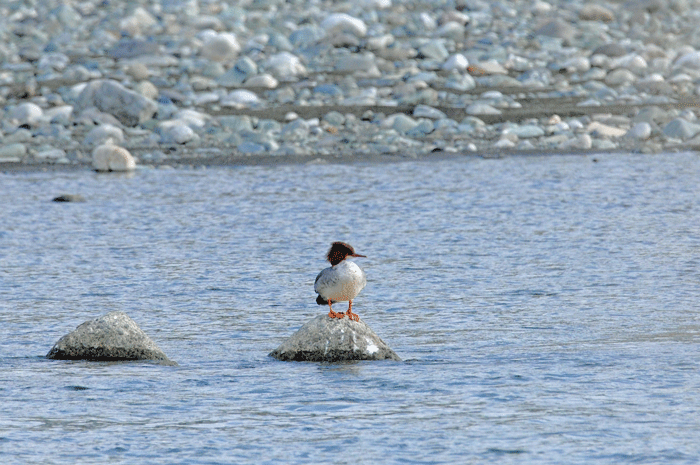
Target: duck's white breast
x,y
341,282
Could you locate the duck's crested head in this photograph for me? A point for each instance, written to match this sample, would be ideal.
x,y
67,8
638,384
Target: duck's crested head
x,y
339,251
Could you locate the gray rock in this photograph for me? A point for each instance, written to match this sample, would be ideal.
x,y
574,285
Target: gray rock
x,y
111,337
101,133
12,152
482,109
254,148
527,131
434,50
426,111
130,48
334,118
681,129
69,198
129,107
611,50
403,123
325,339
557,28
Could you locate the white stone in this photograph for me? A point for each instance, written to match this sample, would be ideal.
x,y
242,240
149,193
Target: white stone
x,y
192,118
619,77
489,67
12,152
138,22
20,135
640,131
690,60
240,98
632,62
482,109
540,8
109,157
264,80
401,122
378,4
434,50
593,12
26,113
456,62
526,131
100,134
338,23
380,42
364,65
175,132
60,113
57,61
597,129
452,30
221,47
147,89
425,111
504,143
285,65
582,142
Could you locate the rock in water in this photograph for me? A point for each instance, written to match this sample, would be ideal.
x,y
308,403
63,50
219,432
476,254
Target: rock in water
x,y
69,198
111,337
325,339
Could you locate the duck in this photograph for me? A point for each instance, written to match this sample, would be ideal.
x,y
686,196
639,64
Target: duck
x,y
340,282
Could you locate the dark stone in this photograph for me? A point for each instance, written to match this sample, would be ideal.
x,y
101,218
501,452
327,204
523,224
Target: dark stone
x,y
325,339
112,337
69,198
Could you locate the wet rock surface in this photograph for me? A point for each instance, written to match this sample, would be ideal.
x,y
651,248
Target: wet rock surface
x,y
112,337
325,339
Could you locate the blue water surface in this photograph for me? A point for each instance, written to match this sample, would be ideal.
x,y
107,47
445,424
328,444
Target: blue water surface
x,y
545,308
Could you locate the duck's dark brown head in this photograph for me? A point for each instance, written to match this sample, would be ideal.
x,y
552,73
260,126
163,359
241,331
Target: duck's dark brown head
x,y
340,251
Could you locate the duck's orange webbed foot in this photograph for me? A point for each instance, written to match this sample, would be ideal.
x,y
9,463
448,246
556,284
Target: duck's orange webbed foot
x,y
332,314
352,316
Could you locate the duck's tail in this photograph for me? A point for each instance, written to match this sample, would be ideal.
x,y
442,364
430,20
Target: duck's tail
x,y
321,301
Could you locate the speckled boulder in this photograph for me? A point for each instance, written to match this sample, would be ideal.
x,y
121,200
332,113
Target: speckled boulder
x,y
325,339
111,337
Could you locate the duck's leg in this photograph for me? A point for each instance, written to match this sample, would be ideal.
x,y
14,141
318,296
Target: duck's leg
x,y
352,316
333,314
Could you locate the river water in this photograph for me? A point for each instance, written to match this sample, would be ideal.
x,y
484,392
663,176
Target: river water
x,y
545,308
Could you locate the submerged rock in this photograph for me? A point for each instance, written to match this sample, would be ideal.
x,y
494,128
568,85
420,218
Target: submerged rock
x,y
69,198
325,339
111,337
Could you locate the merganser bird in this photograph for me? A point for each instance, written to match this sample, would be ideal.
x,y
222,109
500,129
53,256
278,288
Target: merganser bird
x,y
341,282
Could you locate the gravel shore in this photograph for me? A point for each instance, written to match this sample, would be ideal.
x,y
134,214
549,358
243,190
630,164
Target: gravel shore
x,y
113,85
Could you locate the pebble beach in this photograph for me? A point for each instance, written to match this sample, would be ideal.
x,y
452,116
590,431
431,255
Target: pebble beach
x,y
112,85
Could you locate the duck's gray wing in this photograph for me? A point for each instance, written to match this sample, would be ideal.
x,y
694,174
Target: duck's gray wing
x,y
326,278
